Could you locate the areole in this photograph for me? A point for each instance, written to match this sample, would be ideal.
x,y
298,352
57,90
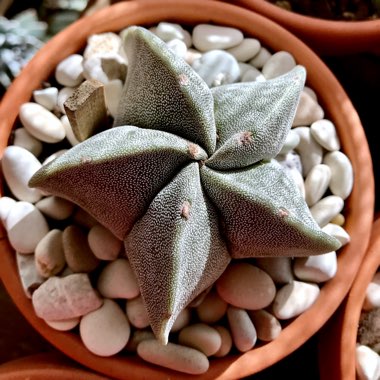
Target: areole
x,y
359,208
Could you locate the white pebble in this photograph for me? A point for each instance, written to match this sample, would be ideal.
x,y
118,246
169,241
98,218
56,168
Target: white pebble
x,y
19,165
278,268
293,299
69,72
103,243
54,156
69,131
6,203
102,43
105,331
25,226
178,47
173,356
217,67
243,331
117,280
192,55
210,37
202,337
212,308
226,345
319,268
64,325
41,123
325,134
292,140
261,58
25,140
246,50
308,111
342,176
55,207
63,94
46,97
311,93
278,64
267,325
372,294
337,232
316,183
298,180
112,95
136,313
367,363
30,278
137,337
168,31
326,209
310,151
183,319
251,75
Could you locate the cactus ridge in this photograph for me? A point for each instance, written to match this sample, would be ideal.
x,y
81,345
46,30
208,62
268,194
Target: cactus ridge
x,y
186,177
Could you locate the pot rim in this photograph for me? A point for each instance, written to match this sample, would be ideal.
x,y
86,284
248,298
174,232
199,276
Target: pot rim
x,y
330,37
359,206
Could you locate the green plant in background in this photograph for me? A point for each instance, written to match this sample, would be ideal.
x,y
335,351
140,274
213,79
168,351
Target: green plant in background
x,y
186,177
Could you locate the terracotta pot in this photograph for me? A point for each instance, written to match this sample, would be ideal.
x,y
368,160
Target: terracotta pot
x,y
338,338
326,37
47,366
358,208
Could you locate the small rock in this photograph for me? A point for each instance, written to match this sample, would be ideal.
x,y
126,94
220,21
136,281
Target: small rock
x,y
30,278
325,209
246,50
106,330
212,309
54,156
278,64
41,123
211,37
19,165
261,58
6,203
137,337
117,280
69,131
55,207
337,232
367,363
112,95
173,356
316,183
64,325
308,111
183,319
24,139
267,325
136,313
64,298
292,140
293,299
226,345
325,134
103,243
46,97
251,75
102,43
178,47
63,94
278,268
168,31
69,72
372,294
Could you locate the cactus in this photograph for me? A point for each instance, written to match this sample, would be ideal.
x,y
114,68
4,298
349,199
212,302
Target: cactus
x,y
186,177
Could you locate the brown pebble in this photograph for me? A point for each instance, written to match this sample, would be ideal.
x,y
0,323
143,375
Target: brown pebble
x,y
78,254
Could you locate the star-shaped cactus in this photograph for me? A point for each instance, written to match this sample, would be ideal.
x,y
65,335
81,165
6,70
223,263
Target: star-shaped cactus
x,y
186,177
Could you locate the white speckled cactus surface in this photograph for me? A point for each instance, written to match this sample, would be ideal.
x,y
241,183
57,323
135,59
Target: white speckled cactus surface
x,y
186,177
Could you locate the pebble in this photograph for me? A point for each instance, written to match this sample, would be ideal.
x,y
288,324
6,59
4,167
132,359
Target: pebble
x,y
63,94
319,268
60,298
212,309
339,219
251,75
103,243
261,58
30,278
102,43
367,363
136,313
168,31
41,123
117,280
310,151
138,336
246,50
178,47
54,156
372,294
173,356
211,37
69,72
46,97
217,67
55,207
325,134
192,55
183,320
278,268
342,176
84,219
291,160
202,337
278,64
243,331
298,180
325,209
268,327
106,330
19,165
246,286
69,131
78,254
338,232
25,226
316,183
112,95
24,139
292,140
311,93
49,256
293,299
64,325
308,111
6,203
226,344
